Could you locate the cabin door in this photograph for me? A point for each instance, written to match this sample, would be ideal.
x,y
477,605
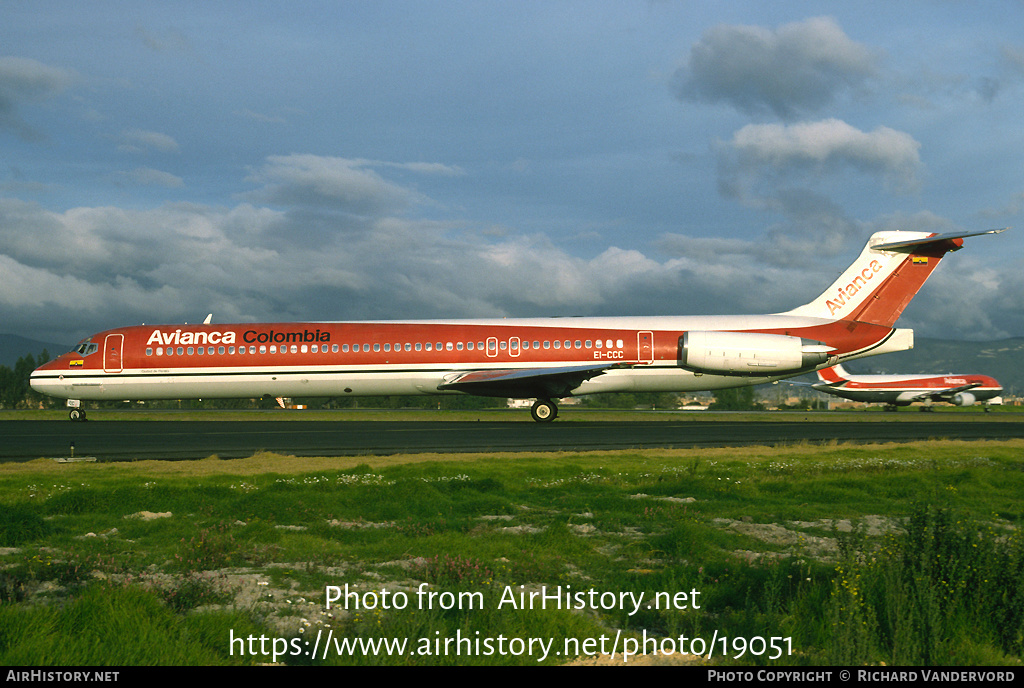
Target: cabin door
x,y
112,348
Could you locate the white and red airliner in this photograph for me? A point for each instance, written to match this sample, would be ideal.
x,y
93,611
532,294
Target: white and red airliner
x,y
537,358
903,390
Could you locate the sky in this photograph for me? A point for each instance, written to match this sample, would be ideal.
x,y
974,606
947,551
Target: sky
x,y
273,161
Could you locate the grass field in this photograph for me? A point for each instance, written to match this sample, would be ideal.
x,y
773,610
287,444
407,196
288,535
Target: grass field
x,y
841,554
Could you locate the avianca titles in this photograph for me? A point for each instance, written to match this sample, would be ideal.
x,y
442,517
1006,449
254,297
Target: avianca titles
x,y
903,390
545,359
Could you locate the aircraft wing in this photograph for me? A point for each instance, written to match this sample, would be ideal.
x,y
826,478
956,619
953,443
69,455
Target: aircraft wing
x,y
545,383
945,394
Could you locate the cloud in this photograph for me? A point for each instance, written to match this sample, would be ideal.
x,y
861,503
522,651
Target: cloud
x,y
146,176
25,81
342,184
797,68
762,152
141,141
89,268
92,268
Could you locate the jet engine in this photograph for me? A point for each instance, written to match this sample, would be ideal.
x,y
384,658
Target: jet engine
x,y
964,399
749,353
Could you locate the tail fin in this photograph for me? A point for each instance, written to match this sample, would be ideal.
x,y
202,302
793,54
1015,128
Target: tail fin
x,y
885,277
833,375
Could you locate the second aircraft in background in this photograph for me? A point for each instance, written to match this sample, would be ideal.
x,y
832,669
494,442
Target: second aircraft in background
x,y
903,390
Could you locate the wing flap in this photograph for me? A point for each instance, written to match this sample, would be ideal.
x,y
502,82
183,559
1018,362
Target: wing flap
x,y
547,383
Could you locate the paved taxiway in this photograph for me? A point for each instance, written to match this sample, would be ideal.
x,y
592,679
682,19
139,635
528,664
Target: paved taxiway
x,y
128,440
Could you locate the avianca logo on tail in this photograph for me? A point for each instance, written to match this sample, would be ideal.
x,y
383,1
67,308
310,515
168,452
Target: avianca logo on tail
x,y
178,337
846,294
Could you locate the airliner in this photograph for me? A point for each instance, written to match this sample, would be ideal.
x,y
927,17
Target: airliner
x,y
545,359
903,390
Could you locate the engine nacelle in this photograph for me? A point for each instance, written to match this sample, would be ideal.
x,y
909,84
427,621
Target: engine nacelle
x,y
749,353
964,399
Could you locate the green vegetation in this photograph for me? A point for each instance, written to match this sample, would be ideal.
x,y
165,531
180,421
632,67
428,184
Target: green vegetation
x,y
15,391
897,554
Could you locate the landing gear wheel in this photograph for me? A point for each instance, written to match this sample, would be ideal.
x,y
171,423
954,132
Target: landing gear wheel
x,y
76,414
544,411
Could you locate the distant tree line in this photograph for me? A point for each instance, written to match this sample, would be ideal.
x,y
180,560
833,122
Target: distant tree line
x,y
15,391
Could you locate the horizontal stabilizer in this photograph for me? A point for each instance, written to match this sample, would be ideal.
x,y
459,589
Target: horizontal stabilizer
x,y
934,240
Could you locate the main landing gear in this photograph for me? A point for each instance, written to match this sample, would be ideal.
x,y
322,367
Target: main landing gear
x,y
544,411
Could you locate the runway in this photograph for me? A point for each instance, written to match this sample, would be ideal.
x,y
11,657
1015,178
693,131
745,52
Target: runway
x,y
190,439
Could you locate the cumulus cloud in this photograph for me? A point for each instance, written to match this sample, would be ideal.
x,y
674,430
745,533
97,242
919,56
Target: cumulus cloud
x,y
343,184
761,153
24,81
797,68
89,268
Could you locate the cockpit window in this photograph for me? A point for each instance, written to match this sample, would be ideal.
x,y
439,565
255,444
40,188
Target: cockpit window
x,y
85,348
